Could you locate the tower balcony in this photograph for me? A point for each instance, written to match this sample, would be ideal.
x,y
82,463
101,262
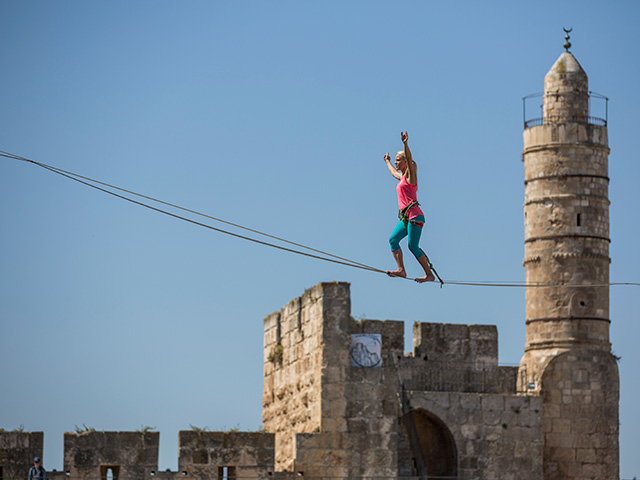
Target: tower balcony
x,y
533,113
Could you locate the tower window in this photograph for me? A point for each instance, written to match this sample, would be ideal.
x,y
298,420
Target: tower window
x,y
578,220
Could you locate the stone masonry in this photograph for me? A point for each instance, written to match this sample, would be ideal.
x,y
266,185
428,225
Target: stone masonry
x,y
568,360
446,409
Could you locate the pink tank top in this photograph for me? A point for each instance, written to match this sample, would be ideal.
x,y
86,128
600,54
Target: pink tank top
x,y
408,193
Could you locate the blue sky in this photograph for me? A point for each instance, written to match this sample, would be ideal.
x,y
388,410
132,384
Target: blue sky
x,y
274,115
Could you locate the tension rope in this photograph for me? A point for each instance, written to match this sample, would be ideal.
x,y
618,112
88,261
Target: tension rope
x,y
329,257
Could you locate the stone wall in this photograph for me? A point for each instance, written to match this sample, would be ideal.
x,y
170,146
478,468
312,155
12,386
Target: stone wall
x,y
329,418
296,366
134,455
129,455
580,422
473,345
468,417
457,358
207,455
341,399
17,451
496,436
360,427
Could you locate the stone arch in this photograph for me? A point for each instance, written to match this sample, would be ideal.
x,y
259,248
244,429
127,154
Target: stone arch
x,y
437,444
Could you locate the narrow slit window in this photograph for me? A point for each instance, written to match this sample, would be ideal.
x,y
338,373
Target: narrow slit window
x,y
579,220
226,473
108,472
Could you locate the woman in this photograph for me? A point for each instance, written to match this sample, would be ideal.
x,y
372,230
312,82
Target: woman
x,y
410,214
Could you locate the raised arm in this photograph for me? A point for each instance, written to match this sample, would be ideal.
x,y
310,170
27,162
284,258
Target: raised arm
x,y
392,169
412,171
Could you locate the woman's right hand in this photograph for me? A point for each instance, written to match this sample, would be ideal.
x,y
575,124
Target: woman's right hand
x,y
387,158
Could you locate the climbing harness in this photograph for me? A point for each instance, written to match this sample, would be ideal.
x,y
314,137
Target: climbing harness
x,y
402,213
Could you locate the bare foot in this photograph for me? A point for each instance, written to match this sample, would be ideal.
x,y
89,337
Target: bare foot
x,y
397,273
426,278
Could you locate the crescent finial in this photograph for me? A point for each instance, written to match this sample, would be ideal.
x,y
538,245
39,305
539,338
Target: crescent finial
x,y
567,43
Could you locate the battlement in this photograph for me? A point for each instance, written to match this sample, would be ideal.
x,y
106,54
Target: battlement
x,y
332,387
134,455
341,399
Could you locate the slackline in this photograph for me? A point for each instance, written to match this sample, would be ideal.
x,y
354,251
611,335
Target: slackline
x,y
328,257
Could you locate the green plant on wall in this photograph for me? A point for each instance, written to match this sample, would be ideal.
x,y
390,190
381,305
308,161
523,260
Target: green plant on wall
x,y
84,429
143,430
199,429
20,429
276,354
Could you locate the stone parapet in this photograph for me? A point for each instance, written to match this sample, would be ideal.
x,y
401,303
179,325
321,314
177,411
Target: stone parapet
x,y
206,455
456,344
17,451
497,436
127,454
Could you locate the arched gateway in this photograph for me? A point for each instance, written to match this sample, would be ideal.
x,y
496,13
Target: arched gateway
x,y
437,444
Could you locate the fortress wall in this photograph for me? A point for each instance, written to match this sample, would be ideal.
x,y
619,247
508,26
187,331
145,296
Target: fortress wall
x,y
327,413
455,357
360,433
295,366
496,435
473,345
17,451
206,455
128,454
580,391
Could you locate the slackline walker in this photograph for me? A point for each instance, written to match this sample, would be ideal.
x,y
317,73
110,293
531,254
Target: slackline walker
x,y
410,215
318,254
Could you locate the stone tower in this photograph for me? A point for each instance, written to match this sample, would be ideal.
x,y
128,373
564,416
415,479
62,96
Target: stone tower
x,y
568,360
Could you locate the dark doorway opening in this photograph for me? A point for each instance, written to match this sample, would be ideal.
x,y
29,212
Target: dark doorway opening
x,y
437,444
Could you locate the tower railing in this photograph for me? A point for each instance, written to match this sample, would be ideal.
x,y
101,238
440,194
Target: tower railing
x,y
442,376
597,103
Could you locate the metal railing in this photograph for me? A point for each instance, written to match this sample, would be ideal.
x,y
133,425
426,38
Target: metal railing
x,y
601,105
471,378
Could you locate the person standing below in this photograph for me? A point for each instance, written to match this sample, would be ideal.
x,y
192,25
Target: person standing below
x,y
37,472
411,216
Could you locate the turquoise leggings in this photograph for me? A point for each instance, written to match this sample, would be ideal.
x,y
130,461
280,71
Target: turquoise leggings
x,y
413,231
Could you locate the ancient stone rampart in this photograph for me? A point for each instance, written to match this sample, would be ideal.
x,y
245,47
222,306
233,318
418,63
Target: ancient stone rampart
x,y
134,455
17,451
463,415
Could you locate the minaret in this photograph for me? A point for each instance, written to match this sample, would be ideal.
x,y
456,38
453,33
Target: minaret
x,y
568,358
566,218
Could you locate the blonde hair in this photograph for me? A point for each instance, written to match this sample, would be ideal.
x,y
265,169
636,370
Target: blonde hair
x,y
402,155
